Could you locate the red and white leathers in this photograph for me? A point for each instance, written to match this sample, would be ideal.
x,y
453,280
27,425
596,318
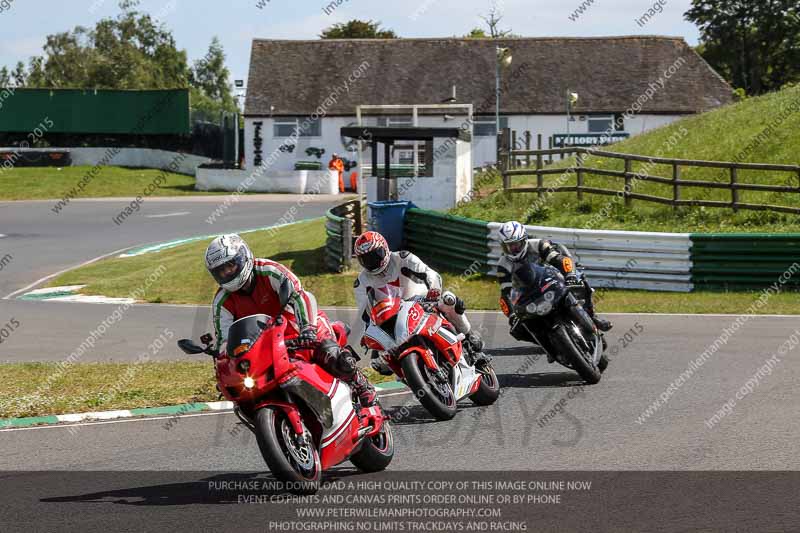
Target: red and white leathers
x,y
302,311
263,298
407,276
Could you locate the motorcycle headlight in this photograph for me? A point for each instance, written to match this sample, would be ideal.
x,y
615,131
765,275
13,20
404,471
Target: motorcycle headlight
x,y
531,308
544,307
249,382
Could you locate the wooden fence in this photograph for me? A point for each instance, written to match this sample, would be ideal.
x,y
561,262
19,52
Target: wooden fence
x,y
510,160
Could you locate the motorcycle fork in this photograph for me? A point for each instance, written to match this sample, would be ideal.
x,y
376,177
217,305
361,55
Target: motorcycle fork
x,y
291,412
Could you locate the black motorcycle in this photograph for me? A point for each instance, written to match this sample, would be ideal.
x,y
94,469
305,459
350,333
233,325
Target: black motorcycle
x,y
553,314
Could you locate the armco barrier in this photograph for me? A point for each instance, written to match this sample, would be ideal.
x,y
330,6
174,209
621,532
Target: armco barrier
x,y
447,241
340,223
620,259
676,262
742,261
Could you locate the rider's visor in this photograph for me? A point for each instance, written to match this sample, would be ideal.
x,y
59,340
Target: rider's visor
x,y
373,259
227,272
514,248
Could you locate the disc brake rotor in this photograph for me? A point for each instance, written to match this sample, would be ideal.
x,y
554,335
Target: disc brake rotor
x,y
440,385
301,453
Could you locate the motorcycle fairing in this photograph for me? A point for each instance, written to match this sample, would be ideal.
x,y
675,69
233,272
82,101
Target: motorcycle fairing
x,y
345,426
464,379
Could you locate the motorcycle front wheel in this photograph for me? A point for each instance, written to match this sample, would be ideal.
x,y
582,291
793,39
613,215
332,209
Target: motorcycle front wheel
x,y
435,395
292,458
377,452
563,342
489,389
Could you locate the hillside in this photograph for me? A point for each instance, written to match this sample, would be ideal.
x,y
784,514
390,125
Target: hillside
x,y
759,130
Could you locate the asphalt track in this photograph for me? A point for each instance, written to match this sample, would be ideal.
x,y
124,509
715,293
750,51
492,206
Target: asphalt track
x,y
41,242
596,428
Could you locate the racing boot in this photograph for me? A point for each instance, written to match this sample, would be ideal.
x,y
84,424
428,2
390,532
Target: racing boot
x,y
602,324
379,364
475,344
364,390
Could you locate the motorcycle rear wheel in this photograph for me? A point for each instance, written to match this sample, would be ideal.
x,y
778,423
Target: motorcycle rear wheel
x,y
440,403
297,465
564,343
375,453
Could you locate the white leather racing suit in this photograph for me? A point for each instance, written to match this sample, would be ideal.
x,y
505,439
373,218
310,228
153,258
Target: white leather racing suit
x,y
407,276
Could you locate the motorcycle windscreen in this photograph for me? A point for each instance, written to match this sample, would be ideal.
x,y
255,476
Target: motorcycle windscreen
x,y
525,283
243,334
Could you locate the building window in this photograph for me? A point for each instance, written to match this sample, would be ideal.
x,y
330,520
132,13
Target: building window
x,y
601,123
287,126
484,126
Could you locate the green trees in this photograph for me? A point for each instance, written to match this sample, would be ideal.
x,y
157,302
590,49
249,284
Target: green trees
x,y
129,51
754,44
357,29
210,84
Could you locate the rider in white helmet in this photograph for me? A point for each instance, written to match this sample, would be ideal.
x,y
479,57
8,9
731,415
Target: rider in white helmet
x,y
517,247
250,286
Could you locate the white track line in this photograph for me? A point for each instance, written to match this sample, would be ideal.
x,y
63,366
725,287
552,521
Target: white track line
x,y
222,411
118,421
165,215
51,276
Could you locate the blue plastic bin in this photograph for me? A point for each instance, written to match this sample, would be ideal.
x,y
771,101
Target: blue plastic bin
x,y
387,219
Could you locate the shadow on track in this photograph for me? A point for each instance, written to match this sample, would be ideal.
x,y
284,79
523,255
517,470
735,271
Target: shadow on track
x,y
540,380
181,488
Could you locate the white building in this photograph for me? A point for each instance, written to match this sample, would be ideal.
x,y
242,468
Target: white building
x,y
301,93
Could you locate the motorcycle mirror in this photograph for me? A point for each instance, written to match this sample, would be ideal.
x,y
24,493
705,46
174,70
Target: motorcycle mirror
x,y
285,292
189,347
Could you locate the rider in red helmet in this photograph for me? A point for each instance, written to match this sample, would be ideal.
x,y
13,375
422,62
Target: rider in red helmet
x,y
403,274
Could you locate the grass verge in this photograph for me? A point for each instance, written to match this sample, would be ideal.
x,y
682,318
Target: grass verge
x,y
743,132
300,247
54,183
92,387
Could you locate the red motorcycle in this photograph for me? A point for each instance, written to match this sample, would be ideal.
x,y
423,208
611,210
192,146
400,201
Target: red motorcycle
x,y
423,350
304,419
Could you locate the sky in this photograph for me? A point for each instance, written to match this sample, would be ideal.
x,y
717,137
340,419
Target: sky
x,y
24,24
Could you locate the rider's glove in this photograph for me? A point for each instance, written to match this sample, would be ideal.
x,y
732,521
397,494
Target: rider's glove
x,y
572,279
308,337
433,295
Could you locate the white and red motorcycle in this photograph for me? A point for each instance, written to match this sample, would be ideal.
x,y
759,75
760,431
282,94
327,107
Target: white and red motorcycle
x,y
423,350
